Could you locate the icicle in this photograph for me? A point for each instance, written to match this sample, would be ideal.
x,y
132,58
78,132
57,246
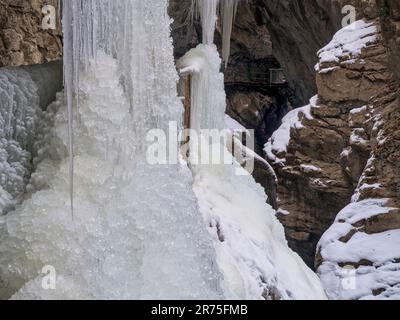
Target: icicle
x,y
80,39
137,232
68,31
207,10
228,12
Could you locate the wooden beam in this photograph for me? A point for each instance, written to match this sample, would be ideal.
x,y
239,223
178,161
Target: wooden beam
x,y
188,100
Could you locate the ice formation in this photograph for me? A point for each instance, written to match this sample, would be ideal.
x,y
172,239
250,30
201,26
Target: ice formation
x,y
207,10
207,107
228,13
19,117
137,231
252,251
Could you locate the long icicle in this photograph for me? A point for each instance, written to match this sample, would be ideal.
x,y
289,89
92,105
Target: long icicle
x,y
228,13
68,30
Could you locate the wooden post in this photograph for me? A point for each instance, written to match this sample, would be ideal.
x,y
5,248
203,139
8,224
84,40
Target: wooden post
x,y
188,100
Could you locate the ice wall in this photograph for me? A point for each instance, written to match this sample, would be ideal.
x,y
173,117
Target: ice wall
x,y
23,92
19,114
137,231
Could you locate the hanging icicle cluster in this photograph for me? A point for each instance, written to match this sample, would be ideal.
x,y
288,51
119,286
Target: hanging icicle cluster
x,y
207,11
80,39
228,9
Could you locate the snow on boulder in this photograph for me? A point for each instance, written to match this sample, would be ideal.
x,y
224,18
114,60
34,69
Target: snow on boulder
x,y
348,42
355,263
277,145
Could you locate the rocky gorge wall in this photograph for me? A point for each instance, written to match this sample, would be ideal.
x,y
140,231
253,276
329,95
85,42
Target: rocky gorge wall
x,y
314,198
345,155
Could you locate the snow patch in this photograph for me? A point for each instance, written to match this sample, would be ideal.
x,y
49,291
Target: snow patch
x,y
374,252
279,141
348,41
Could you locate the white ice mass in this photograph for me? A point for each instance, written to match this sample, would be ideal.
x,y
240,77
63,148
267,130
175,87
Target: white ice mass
x,y
133,235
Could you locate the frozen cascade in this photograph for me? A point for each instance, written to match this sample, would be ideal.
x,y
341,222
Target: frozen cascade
x,y
252,251
19,114
137,231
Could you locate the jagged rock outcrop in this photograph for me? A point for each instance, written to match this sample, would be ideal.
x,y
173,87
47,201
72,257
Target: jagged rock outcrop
x,y
22,39
363,244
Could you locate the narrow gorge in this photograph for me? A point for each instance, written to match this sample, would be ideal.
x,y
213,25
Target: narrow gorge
x,y
110,175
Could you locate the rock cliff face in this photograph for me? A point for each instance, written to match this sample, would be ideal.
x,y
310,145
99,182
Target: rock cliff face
x,y
365,237
298,29
390,23
22,39
347,149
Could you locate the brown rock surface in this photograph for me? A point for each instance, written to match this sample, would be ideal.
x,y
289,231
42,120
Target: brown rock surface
x,y
22,39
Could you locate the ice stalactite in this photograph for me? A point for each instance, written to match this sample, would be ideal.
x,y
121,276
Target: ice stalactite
x,y
137,232
208,11
228,13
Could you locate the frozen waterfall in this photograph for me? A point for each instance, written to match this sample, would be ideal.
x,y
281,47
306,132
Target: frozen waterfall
x,y
137,231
